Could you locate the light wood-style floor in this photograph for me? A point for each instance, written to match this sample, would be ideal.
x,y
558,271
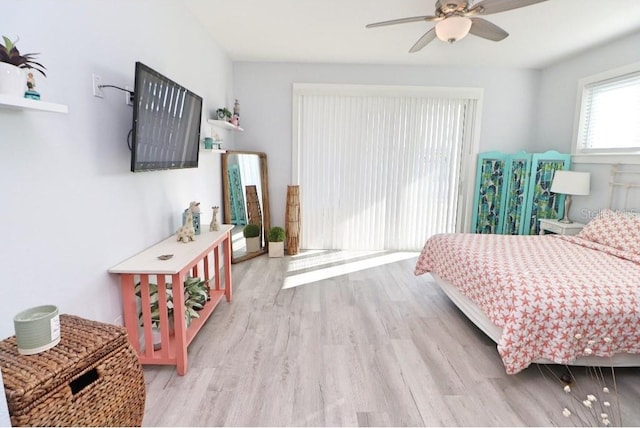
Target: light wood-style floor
x,y
360,346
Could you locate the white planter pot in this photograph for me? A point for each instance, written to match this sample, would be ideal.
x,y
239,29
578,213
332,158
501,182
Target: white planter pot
x,y
276,249
13,80
253,244
156,338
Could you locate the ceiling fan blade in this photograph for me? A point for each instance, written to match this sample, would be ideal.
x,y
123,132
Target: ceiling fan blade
x,y
423,41
487,30
487,7
404,21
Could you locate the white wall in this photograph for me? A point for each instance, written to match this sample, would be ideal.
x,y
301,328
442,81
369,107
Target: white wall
x,y
265,93
557,110
70,207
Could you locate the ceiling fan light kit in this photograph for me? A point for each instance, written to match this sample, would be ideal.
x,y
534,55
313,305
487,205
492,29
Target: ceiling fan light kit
x,y
457,18
453,29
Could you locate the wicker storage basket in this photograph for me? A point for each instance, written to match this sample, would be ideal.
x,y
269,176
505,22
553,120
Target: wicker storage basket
x,y
91,378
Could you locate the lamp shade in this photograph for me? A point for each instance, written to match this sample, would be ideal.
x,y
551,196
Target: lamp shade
x,y
571,182
453,28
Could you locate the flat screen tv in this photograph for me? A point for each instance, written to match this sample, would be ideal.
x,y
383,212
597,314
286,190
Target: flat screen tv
x,y
166,123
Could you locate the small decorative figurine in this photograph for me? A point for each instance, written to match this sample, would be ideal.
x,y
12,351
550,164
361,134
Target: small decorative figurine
x,y
186,232
31,84
194,207
214,221
236,108
236,114
217,140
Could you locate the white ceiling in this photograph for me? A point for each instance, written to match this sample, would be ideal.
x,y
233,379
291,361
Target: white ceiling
x,y
333,31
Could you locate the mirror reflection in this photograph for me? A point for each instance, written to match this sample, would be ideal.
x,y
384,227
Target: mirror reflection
x,y
246,201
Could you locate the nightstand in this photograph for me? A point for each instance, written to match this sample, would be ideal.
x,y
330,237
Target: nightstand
x,y
555,226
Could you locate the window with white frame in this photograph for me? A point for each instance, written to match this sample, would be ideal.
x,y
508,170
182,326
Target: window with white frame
x,y
609,113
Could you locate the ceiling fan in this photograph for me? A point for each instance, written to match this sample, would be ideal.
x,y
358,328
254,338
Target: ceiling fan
x,y
457,18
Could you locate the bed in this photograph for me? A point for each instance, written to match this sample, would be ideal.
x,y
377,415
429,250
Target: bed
x,y
548,298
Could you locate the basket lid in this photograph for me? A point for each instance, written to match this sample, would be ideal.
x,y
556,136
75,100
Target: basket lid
x,y
28,378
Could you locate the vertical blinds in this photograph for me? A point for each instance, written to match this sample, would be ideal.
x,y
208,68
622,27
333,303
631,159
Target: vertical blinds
x,y
610,113
378,172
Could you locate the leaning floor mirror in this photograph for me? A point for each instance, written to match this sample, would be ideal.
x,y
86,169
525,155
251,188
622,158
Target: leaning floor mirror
x,y
246,201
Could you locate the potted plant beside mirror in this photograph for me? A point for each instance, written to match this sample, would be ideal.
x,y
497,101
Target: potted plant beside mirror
x,y
276,237
13,79
251,233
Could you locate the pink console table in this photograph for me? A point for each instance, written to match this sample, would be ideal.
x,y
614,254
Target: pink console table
x,y
188,259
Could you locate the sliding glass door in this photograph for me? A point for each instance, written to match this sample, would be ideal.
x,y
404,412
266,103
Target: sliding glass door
x,y
380,168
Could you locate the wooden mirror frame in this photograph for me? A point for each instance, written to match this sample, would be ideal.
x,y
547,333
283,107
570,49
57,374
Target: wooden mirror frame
x,y
235,258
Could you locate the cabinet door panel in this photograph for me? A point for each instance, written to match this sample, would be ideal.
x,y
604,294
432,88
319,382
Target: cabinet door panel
x,y
490,191
519,169
542,202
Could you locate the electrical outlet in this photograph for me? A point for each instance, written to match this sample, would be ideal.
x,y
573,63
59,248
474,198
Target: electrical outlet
x,y
128,95
97,90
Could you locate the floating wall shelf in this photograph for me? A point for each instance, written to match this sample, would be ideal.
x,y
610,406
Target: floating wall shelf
x,y
7,101
224,125
212,151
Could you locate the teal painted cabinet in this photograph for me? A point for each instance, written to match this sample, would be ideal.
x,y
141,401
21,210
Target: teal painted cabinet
x,y
519,169
542,203
512,191
490,193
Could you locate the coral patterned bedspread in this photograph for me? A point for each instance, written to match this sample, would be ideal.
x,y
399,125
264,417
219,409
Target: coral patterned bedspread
x,y
543,291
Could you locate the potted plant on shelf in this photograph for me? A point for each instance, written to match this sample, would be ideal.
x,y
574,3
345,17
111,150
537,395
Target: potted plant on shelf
x,y
223,114
251,233
13,79
276,237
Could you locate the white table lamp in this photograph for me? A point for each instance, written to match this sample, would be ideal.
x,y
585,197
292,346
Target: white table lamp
x,y
570,183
